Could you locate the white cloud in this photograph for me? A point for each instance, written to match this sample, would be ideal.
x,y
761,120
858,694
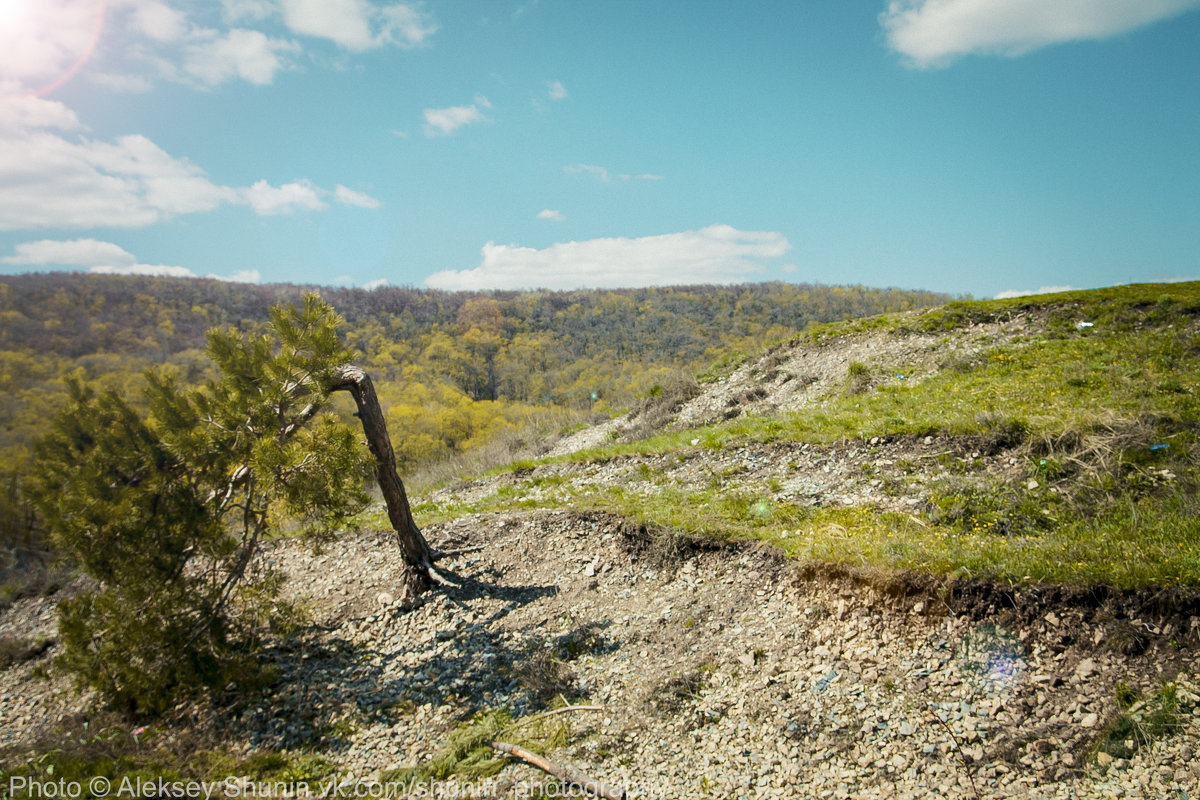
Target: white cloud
x,y
604,176
105,258
716,254
358,25
165,271
254,10
156,270
157,20
445,121
74,252
404,25
271,200
557,91
349,197
241,276
932,33
375,284
19,114
215,58
48,180
346,22
552,214
40,41
1043,290
43,43
166,184
119,82
599,173
54,37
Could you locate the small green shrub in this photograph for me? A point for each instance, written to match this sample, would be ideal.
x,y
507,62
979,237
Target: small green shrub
x,y
164,511
467,755
105,744
858,377
1142,722
990,508
723,367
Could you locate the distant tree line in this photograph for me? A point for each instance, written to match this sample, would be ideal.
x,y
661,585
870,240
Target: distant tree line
x,y
73,314
454,370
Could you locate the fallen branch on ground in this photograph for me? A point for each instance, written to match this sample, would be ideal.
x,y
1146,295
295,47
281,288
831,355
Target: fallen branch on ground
x,y
563,773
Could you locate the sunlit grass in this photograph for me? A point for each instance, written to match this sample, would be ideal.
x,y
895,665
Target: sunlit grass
x,y
1050,387
1111,550
1053,386
1123,389
1115,308
1147,542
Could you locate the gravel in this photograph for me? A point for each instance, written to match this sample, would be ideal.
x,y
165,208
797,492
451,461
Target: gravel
x,y
720,671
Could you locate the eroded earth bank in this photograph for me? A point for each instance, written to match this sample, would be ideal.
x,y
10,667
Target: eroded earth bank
x,y
719,670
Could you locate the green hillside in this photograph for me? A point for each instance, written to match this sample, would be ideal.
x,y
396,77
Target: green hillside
x,y
458,373
965,537
1062,428
1030,440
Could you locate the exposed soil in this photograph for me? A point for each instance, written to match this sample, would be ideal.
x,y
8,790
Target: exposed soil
x,y
796,374
722,669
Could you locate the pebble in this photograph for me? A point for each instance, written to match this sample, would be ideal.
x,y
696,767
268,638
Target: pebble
x,y
723,668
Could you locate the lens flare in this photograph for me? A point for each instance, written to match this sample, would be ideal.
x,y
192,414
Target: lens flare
x,y
44,35
13,14
992,658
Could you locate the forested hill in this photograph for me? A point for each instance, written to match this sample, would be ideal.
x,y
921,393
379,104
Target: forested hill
x,y
73,314
454,370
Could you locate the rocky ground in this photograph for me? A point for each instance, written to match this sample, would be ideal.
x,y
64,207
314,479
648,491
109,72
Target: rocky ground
x,y
793,375
712,670
719,671
885,473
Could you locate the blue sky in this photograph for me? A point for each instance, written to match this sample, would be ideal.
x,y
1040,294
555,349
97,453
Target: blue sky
x,y
968,146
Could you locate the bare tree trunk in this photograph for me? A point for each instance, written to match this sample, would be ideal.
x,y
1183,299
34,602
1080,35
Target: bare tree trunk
x,y
418,555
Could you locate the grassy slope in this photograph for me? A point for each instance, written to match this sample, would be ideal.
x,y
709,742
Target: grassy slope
x,y
1102,421
1078,408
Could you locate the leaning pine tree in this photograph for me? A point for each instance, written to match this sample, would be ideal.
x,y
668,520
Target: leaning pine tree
x,y
165,510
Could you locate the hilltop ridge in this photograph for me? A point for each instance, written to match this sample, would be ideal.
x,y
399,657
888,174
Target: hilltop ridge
x,y
951,552
1023,428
